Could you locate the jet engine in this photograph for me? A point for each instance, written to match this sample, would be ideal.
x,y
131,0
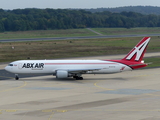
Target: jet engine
x,y
62,74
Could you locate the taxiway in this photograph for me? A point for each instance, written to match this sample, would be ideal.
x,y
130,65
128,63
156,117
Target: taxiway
x,y
133,95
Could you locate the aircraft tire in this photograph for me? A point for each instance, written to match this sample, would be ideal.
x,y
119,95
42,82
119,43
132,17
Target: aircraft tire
x,y
79,78
16,78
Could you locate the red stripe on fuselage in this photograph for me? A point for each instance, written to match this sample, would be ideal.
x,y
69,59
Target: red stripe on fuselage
x,y
77,63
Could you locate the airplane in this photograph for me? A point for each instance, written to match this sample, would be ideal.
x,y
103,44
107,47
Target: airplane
x,y
75,68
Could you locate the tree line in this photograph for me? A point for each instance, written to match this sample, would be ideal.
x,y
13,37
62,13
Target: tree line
x,y
49,19
139,9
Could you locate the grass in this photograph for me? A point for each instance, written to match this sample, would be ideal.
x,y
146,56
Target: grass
x,y
46,33
71,48
76,32
154,62
125,31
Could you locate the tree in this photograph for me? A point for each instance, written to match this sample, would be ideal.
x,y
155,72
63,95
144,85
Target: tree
x,y
2,29
43,19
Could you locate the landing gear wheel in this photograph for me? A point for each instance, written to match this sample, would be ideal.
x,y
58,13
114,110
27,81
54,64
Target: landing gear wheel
x,y
79,78
16,77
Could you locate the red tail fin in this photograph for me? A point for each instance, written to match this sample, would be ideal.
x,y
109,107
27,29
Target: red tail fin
x,y
137,53
134,58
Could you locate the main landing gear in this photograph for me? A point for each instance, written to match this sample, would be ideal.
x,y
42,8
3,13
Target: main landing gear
x,y
78,77
16,77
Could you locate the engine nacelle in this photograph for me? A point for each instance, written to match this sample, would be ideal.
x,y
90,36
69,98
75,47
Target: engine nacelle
x,y
62,74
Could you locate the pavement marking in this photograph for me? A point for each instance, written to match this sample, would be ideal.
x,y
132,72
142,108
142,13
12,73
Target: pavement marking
x,y
10,110
95,84
5,110
47,110
25,83
51,116
62,111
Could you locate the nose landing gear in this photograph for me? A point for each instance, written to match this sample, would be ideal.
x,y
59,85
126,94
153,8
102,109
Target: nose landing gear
x,y
16,77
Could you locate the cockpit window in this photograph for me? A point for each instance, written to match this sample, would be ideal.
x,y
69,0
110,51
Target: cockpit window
x,y
10,64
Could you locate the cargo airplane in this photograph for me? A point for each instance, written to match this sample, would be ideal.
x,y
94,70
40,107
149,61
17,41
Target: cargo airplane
x,y
75,68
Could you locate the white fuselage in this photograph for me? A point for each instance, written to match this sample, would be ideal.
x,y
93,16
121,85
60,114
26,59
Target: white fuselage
x,y
51,66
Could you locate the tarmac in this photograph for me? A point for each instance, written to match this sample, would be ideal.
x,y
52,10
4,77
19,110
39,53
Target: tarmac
x,y
132,95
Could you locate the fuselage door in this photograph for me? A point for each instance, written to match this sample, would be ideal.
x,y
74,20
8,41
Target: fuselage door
x,y
20,65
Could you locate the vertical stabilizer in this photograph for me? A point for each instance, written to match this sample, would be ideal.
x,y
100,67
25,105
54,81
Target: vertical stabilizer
x,y
137,53
134,58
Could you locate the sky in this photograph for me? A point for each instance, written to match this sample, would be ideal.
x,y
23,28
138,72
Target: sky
x,y
16,4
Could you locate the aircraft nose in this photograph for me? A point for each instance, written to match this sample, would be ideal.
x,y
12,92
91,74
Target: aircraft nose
x,y
7,68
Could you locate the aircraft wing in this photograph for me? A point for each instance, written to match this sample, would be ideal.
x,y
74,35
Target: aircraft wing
x,y
81,70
